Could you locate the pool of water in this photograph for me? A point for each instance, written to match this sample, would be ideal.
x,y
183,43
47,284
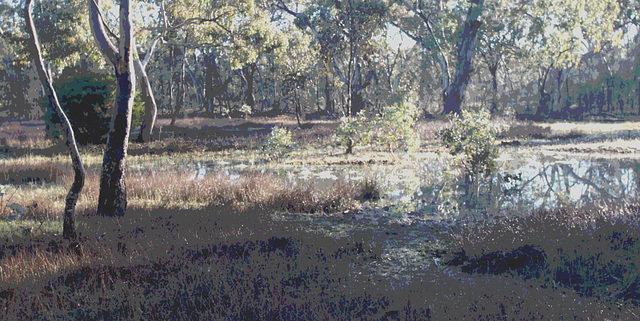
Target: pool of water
x,y
522,183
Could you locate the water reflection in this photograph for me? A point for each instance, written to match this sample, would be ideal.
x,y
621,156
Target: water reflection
x,y
523,183
548,182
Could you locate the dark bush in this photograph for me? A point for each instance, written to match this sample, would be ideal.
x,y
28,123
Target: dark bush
x,y
87,99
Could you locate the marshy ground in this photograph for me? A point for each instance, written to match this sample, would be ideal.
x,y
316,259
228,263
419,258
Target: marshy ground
x,y
217,230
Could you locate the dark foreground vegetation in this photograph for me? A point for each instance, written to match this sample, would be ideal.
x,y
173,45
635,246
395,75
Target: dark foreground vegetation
x,y
166,268
242,249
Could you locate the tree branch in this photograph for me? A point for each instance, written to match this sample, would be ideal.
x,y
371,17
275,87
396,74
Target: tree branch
x,y
96,21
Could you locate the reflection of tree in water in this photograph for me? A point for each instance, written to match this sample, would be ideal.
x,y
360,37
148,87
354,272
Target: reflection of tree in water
x,y
579,182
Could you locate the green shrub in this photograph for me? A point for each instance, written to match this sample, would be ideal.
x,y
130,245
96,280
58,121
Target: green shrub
x,y
474,137
354,130
394,129
87,99
279,143
471,139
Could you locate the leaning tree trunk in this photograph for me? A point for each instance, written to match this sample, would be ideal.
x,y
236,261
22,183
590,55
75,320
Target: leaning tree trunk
x,y
466,48
112,200
151,108
212,81
248,74
328,96
69,227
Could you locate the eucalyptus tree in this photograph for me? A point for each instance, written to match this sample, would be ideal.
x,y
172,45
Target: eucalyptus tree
x,y
63,38
466,49
69,229
151,35
448,32
234,30
559,34
498,40
346,32
112,199
297,61
432,25
12,80
629,19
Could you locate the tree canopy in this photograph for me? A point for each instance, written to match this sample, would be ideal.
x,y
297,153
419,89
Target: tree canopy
x,y
217,57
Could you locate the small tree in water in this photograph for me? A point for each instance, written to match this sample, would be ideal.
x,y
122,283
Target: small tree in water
x,y
471,138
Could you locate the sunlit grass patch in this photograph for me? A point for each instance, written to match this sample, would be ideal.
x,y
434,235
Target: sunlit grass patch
x,y
524,130
266,192
32,169
22,229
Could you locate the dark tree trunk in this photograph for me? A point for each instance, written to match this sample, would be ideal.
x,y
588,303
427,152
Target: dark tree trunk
x,y
466,49
609,94
212,81
248,73
328,97
181,91
112,200
171,80
358,87
493,69
298,107
543,104
69,226
638,93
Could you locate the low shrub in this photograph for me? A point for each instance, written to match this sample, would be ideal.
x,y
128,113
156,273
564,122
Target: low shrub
x,y
394,129
279,143
471,139
354,131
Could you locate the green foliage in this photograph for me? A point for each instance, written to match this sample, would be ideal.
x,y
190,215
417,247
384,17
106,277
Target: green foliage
x,y
396,128
279,143
474,137
471,139
393,130
245,110
551,28
87,99
354,130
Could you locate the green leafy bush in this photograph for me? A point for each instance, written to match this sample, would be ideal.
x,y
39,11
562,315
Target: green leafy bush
x,y
474,137
394,129
87,99
471,138
354,130
279,143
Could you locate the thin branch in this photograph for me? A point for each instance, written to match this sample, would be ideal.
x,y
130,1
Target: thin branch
x,y
190,21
